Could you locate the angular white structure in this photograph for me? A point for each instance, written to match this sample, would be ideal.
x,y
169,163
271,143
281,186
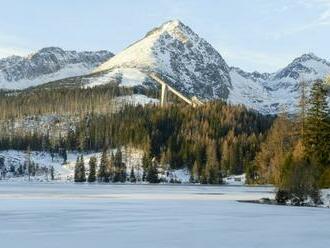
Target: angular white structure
x,y
194,101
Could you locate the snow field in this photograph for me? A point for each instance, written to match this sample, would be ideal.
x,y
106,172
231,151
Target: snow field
x,y
53,215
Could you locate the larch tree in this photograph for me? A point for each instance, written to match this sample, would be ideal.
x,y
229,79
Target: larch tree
x,y
212,168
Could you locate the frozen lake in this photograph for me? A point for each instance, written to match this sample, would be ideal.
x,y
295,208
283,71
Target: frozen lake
x,y
62,215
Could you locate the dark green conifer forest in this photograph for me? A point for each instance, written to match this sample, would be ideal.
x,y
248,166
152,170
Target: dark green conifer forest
x,y
213,141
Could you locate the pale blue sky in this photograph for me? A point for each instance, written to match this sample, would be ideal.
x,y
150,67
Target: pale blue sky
x,y
259,35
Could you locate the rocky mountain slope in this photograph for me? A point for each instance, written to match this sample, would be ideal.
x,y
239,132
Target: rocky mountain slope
x,y
46,65
180,56
279,91
194,67
183,59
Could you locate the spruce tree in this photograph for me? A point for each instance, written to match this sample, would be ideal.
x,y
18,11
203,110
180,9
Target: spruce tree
x,y
65,156
317,134
82,169
102,174
120,167
152,173
2,168
77,170
92,170
52,173
118,158
28,161
132,177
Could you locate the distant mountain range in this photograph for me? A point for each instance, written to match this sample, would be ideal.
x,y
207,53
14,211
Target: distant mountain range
x,y
46,65
187,62
279,91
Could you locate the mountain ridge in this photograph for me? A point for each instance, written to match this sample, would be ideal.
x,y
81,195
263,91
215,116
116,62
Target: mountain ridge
x,y
188,63
50,63
281,88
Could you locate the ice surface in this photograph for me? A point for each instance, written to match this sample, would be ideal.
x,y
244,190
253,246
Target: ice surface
x,y
73,215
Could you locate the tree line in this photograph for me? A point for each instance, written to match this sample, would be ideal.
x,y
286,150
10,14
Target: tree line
x,y
113,169
65,100
212,141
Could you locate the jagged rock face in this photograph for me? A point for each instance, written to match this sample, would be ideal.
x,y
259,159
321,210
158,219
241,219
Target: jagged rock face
x,y
193,67
276,92
180,56
308,67
183,59
46,65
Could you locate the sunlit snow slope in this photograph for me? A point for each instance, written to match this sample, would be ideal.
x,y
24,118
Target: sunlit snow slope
x,y
48,64
173,50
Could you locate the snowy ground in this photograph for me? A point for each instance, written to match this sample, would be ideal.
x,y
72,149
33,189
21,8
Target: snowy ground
x,y
64,172
57,215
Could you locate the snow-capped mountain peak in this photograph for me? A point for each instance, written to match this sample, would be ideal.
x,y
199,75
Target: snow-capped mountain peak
x,y
307,56
176,29
306,67
183,59
173,50
48,64
271,93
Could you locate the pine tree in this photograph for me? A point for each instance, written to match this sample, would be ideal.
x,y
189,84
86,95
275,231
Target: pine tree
x,y
92,170
111,168
317,141
52,173
32,169
2,163
102,174
20,170
2,168
28,161
77,170
65,156
118,158
132,177
120,168
82,169
146,164
152,173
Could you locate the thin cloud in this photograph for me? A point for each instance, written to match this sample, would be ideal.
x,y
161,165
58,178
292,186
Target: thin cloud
x,y
323,19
